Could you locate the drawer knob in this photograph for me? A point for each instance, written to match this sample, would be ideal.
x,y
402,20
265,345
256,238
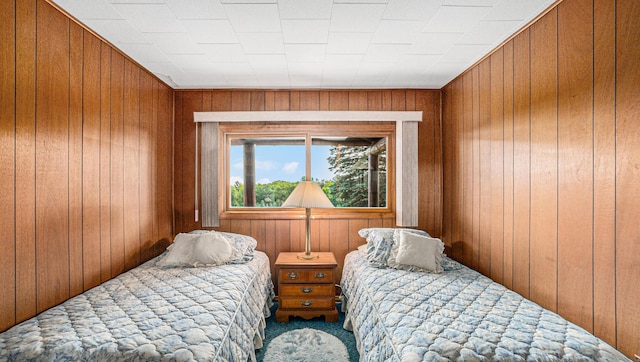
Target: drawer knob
x,y
307,290
292,275
320,275
306,303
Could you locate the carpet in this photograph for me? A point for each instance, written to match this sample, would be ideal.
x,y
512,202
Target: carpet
x,y
306,344
275,329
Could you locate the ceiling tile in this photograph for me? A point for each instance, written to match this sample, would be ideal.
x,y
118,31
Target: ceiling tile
x,y
396,32
348,43
150,17
191,62
523,10
143,53
411,9
360,1
224,53
174,43
461,53
268,63
249,1
305,43
434,43
385,53
136,1
455,19
97,9
418,62
197,9
305,31
261,43
166,68
356,18
304,68
305,9
247,18
343,60
117,31
199,80
488,32
210,31
305,53
470,2
233,69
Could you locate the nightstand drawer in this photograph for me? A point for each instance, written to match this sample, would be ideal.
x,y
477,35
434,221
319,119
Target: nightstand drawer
x,y
305,276
307,290
301,303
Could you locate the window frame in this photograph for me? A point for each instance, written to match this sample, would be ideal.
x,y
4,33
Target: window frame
x,y
306,130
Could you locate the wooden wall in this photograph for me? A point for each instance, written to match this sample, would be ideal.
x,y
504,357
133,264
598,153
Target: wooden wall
x,y
85,161
541,166
336,235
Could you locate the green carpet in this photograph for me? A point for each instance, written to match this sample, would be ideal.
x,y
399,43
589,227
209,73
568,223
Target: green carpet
x,y
274,329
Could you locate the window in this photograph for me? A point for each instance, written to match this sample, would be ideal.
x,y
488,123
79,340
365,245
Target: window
x,y
350,163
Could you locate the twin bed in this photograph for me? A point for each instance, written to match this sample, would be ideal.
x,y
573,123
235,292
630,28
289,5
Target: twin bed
x,y
217,313
457,314
152,313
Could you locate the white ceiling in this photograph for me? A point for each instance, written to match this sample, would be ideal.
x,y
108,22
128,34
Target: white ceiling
x,y
305,43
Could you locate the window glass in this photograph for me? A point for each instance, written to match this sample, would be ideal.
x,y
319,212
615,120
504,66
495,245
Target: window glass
x,y
274,166
351,170
264,169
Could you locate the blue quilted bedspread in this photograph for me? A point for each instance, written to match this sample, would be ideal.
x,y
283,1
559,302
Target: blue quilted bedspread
x,y
456,315
151,313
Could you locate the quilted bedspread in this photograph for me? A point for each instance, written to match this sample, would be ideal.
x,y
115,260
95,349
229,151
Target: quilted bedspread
x,y
151,313
459,315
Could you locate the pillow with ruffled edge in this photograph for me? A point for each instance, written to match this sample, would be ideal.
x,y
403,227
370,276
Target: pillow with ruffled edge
x,y
418,252
244,245
379,243
180,252
211,249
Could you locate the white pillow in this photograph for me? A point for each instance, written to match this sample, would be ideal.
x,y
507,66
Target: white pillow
x,y
420,251
180,252
211,249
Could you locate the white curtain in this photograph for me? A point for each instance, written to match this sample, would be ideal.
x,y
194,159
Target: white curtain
x,y
209,169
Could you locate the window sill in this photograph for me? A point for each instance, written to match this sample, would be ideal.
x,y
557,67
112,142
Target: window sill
x,y
299,214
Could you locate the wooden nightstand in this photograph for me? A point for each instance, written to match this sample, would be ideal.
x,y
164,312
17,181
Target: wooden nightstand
x,y
306,287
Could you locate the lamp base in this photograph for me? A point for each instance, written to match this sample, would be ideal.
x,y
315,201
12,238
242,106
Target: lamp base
x,y
305,256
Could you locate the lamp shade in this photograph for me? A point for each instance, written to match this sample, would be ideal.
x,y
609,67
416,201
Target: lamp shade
x,y
308,194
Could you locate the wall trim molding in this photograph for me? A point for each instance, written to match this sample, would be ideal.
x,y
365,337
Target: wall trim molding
x,y
308,116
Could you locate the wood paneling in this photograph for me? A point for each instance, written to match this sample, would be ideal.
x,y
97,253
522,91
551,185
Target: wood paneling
x,y
62,159
627,96
131,150
337,235
565,92
521,163
76,45
508,166
117,164
484,238
91,162
7,163
52,157
497,166
105,163
575,163
25,171
604,171
544,161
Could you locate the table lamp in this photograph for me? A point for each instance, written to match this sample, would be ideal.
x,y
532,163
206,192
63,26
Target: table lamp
x,y
308,194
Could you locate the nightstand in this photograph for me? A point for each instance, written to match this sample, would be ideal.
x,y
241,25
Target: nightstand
x,y
306,288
